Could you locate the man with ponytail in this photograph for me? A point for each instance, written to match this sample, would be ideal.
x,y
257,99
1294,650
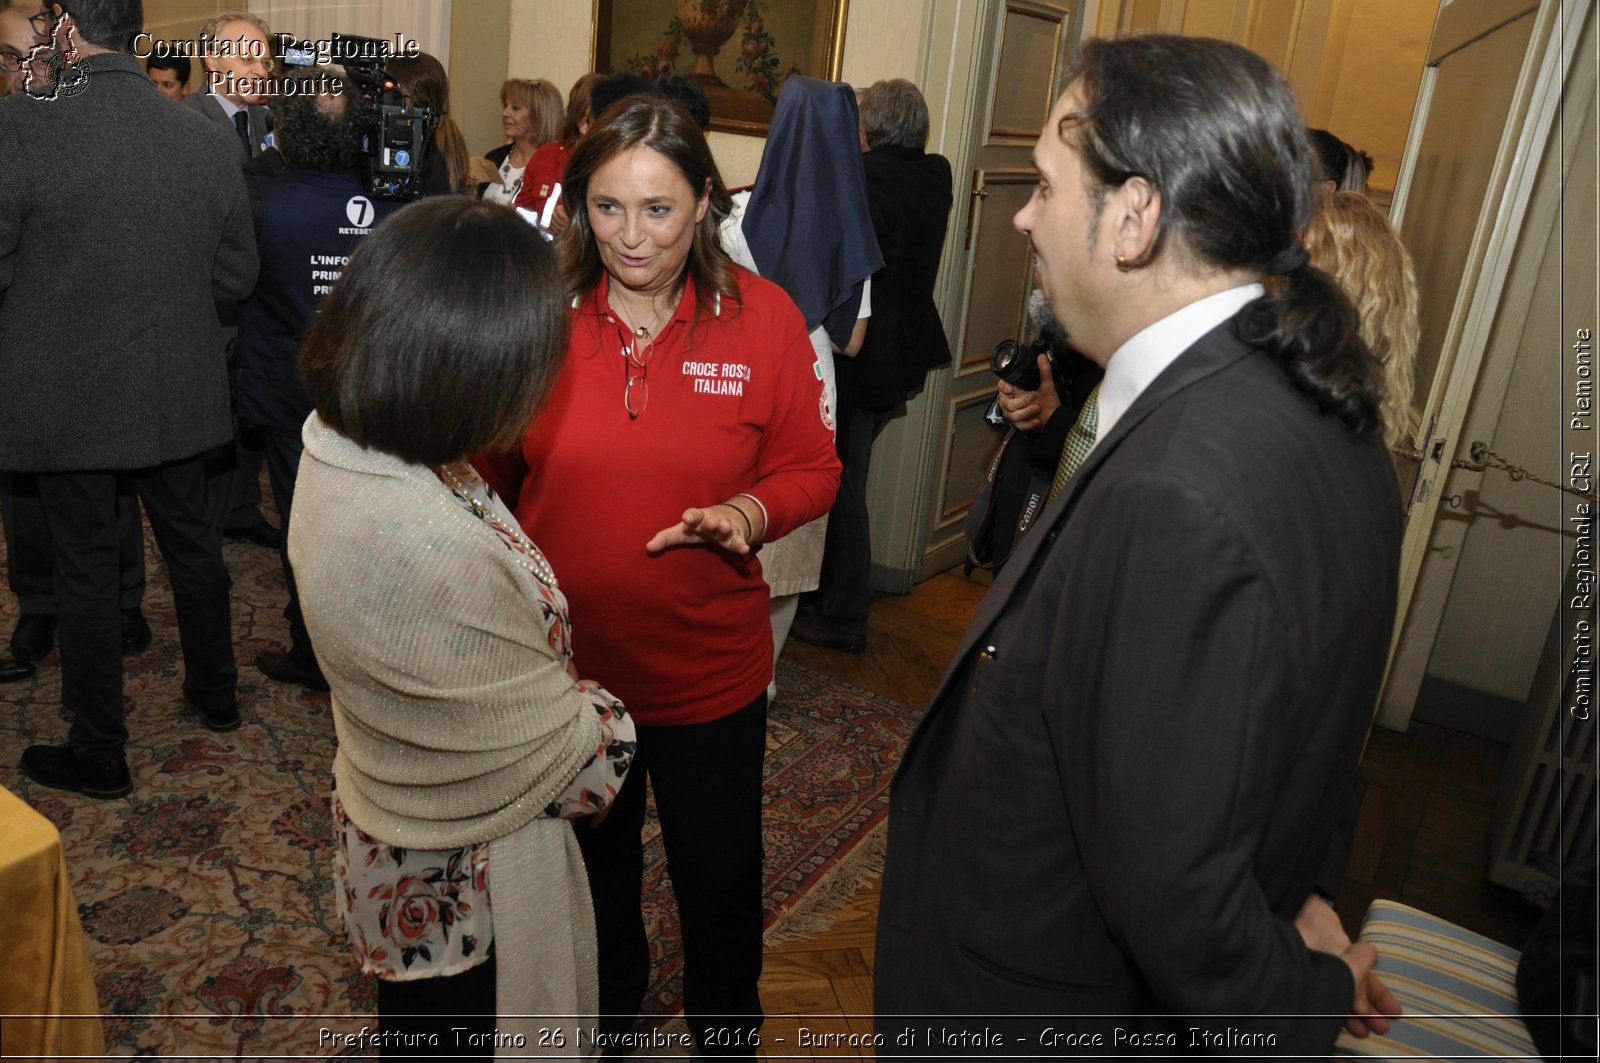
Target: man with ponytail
x,y
1129,805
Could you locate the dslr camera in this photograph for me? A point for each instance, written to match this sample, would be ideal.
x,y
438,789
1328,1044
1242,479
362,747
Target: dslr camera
x,y
1017,365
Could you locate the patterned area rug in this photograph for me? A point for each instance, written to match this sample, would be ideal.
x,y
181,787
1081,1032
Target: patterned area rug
x,y
208,895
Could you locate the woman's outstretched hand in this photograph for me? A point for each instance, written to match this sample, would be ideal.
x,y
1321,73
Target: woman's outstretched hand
x,y
724,526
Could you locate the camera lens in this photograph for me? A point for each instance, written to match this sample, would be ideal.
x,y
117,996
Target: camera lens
x,y
1015,366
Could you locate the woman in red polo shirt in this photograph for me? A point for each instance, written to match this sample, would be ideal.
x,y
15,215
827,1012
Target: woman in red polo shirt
x,y
686,429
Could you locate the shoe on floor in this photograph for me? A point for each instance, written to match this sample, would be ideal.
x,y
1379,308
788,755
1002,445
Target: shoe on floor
x,y
33,636
280,665
821,633
262,534
135,631
13,670
222,719
60,769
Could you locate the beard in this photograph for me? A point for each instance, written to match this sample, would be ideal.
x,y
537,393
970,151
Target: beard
x,y
1051,330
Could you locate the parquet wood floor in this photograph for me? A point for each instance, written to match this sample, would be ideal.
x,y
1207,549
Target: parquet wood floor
x,y
1423,836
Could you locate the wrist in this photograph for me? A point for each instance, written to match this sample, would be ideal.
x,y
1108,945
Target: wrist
x,y
749,525
754,512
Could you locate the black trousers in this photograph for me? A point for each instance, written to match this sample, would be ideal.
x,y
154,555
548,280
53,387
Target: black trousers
x,y
707,782
440,1018
844,589
235,468
29,554
283,447
81,511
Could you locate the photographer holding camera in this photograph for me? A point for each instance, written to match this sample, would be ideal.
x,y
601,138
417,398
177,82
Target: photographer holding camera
x,y
1036,382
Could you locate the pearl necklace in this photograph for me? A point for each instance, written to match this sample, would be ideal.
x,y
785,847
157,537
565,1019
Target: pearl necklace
x,y
524,553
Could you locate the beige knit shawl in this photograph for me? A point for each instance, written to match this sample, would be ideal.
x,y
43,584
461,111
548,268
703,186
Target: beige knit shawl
x,y
456,721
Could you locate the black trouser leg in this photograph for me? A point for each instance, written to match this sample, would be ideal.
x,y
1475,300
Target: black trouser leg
x,y
707,780
28,549
175,501
80,512
283,449
440,1018
613,857
845,587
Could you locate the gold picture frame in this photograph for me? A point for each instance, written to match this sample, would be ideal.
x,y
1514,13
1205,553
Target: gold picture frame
x,y
738,50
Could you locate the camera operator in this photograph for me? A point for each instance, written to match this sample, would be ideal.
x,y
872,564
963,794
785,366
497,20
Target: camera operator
x,y
309,218
1037,381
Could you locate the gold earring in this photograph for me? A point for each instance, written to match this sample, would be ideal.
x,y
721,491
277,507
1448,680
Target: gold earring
x,y
1123,264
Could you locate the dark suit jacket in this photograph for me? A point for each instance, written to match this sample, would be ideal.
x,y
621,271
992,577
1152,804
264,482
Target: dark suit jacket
x,y
110,350
1143,757
909,196
205,103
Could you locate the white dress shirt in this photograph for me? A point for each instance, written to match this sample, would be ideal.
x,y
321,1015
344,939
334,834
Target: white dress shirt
x,y
1140,360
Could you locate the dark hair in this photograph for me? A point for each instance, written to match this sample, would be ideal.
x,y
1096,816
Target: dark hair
x,y
690,94
106,23
316,131
1343,164
613,89
178,64
422,78
664,126
1216,132
443,336
894,112
579,107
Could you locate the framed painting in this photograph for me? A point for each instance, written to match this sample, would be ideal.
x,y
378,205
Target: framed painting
x,y
739,51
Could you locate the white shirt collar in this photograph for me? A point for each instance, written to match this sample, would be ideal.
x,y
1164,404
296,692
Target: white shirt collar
x,y
1148,352
229,108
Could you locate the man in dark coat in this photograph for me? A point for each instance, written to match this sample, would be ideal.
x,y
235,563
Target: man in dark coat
x,y
111,371
1120,815
909,196
237,59
236,62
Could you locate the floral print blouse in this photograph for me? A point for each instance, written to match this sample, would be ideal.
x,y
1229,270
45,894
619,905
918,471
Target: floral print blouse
x,y
423,913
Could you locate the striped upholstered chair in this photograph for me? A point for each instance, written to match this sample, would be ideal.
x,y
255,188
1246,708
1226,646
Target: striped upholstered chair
x,y
1458,990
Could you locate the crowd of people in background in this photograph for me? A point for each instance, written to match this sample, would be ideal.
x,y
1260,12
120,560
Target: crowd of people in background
x,y
582,381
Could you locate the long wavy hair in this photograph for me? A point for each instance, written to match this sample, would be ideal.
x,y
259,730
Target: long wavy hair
x,y
1352,240
664,126
1216,131
422,78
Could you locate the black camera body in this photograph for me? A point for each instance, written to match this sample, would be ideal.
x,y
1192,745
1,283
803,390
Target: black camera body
x,y
393,137
1017,365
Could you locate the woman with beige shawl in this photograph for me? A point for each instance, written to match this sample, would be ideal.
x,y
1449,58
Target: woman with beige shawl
x,y
465,739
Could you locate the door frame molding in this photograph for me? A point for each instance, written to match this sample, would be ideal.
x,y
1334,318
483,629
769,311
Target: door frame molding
x,y
1534,112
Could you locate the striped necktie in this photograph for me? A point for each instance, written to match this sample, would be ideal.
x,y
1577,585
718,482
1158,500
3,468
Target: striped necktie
x,y
1080,440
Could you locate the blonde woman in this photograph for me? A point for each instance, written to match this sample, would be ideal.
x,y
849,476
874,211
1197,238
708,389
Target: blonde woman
x,y
531,114
1352,240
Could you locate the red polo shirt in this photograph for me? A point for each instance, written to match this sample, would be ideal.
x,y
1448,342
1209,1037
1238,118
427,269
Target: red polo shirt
x,y
735,405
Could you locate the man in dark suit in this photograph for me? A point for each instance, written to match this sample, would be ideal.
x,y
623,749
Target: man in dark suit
x,y
909,196
236,57
111,371
1122,810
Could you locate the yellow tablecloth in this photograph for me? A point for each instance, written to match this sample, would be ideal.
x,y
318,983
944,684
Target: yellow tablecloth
x,y
44,964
